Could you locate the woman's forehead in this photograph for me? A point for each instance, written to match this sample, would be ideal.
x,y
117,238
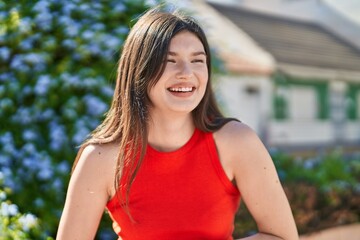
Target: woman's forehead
x,y
188,42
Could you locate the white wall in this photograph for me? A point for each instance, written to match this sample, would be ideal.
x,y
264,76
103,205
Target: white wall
x,y
247,98
296,132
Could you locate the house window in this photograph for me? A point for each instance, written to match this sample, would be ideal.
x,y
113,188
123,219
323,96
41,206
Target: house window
x,y
300,98
303,103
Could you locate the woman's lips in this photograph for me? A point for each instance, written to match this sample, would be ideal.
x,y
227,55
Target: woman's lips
x,y
181,91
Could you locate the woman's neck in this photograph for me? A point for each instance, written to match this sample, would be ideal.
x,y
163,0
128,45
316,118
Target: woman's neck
x,y
170,132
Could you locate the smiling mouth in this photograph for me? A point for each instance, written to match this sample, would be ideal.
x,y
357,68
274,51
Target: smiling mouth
x,y
181,89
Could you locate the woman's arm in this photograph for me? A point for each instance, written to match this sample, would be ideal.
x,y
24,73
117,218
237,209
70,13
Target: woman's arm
x,y
87,195
250,164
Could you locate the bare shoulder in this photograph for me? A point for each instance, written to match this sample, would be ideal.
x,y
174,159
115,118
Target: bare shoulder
x,y
96,165
100,156
101,153
240,149
235,136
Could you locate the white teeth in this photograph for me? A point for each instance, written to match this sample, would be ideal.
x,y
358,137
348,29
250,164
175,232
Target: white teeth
x,y
183,89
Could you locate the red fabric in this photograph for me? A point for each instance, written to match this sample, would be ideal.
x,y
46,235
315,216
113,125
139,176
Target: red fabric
x,y
183,194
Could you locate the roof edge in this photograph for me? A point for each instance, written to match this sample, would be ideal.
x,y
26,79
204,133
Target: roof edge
x,y
320,73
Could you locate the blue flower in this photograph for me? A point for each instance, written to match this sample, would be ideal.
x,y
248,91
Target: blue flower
x,y
44,20
69,43
107,91
41,6
7,77
57,135
47,114
70,80
88,35
17,62
30,148
6,138
8,209
8,148
63,167
4,53
28,221
45,174
6,103
14,87
68,8
90,83
84,7
23,116
122,30
57,184
45,169
4,161
95,106
2,195
64,19
2,91
151,3
81,132
93,48
111,42
3,15
42,85
39,202
119,7
80,135
69,113
25,25
9,179
36,60
98,27
72,29
30,163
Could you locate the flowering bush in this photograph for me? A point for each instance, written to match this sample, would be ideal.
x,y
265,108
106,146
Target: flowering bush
x,y
13,224
57,60
324,191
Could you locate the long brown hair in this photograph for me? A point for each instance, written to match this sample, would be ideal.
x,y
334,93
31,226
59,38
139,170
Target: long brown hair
x,y
140,67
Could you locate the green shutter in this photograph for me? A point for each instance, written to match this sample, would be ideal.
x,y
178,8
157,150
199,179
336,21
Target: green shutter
x,y
352,101
323,100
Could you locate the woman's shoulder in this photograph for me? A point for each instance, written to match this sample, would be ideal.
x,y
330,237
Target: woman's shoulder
x,y
101,148
235,132
238,143
99,153
97,162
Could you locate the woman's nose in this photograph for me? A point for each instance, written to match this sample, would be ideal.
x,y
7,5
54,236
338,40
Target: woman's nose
x,y
185,71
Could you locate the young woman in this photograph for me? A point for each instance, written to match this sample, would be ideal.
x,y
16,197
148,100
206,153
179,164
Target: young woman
x,y
165,162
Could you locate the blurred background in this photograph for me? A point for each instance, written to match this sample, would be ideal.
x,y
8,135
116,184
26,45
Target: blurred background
x,y
288,68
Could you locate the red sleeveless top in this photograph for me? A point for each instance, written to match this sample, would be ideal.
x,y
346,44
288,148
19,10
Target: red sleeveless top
x,y
184,194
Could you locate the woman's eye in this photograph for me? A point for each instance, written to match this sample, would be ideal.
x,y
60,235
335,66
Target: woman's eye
x,y
170,60
198,61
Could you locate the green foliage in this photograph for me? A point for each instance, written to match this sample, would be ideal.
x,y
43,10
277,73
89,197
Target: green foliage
x,y
57,62
14,224
332,171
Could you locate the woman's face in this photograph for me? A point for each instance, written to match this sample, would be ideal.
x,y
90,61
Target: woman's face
x,y
183,83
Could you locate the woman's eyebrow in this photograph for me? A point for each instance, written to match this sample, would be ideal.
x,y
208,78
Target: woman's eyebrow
x,y
193,54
